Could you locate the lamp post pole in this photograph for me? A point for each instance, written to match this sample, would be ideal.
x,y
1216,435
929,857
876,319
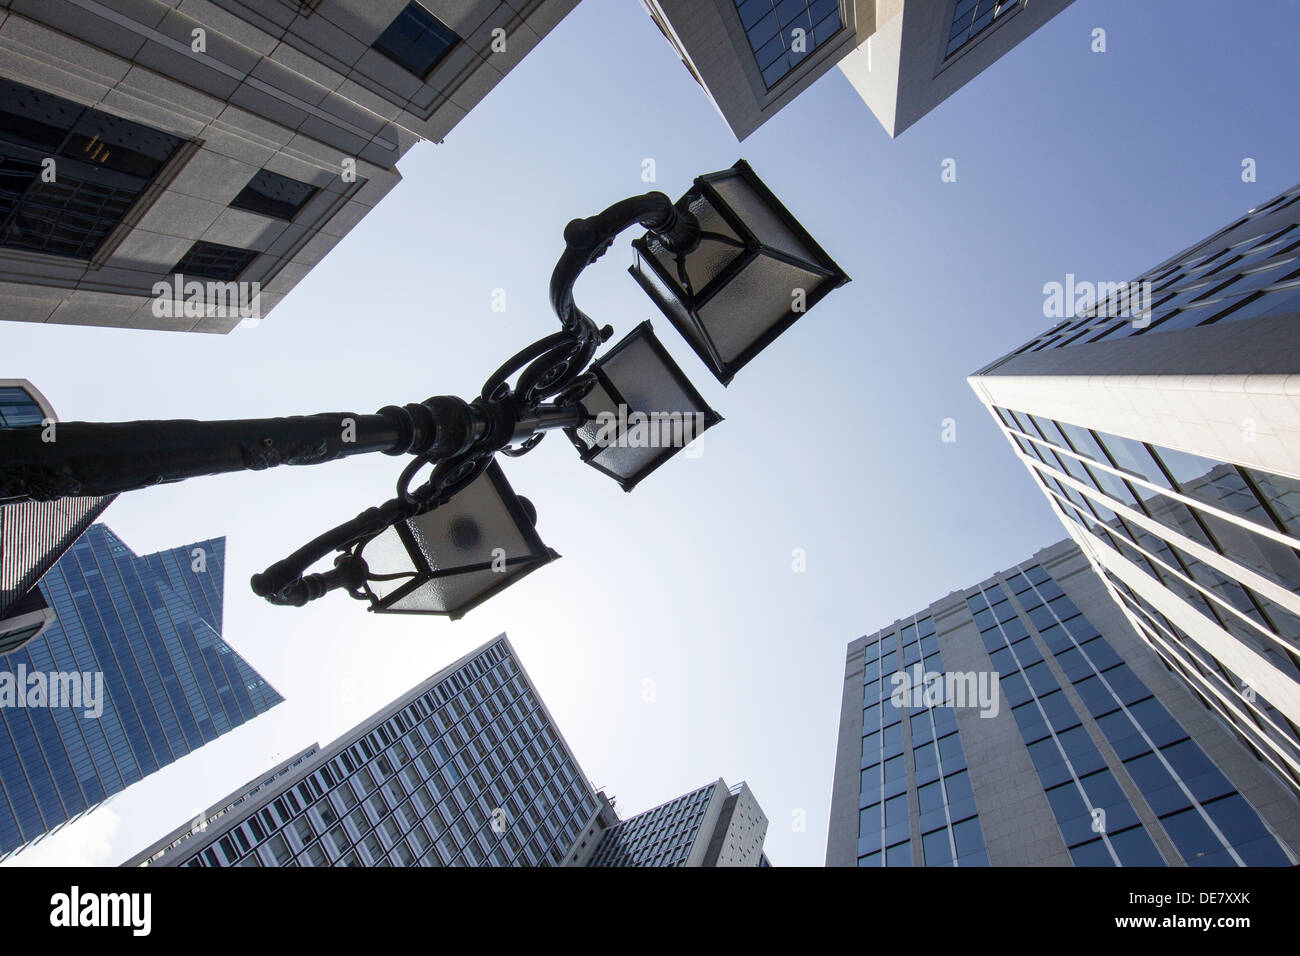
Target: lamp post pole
x,y
459,438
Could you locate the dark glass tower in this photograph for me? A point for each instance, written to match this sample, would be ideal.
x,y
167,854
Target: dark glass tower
x,y
147,632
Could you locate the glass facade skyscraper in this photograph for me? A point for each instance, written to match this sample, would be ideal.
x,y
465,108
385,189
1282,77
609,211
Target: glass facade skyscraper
x,y
1249,268
1168,444
140,639
1084,751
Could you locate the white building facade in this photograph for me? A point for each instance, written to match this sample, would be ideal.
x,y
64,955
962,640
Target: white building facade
x,y
903,57
1168,443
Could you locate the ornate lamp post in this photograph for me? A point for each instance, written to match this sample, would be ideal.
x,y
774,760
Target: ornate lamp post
x,y
463,535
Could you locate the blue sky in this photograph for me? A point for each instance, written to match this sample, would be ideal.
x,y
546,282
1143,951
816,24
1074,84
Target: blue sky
x,y
674,643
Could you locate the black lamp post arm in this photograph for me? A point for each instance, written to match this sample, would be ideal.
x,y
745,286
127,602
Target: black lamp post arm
x,y
102,458
70,459
586,240
287,581
551,365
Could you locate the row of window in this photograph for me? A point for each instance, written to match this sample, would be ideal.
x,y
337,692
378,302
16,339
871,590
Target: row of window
x,y
1243,611
963,842
105,163
412,820
159,613
1147,477
1180,574
1191,798
782,33
1259,726
202,824
659,837
68,173
946,817
1268,501
1096,820
1215,282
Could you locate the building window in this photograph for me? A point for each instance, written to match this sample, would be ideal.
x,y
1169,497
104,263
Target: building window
x,y
16,639
416,40
970,18
271,194
782,33
68,173
211,260
17,408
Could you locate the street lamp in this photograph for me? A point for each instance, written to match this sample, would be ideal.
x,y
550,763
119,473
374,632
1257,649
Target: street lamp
x,y
450,542
643,410
451,559
753,273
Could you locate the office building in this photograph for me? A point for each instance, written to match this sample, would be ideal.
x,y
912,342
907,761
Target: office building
x,y
231,803
904,57
132,674
466,769
182,165
33,534
746,54
924,51
1166,438
715,825
1036,728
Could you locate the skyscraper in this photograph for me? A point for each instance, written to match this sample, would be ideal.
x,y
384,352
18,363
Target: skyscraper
x,y
1036,728
466,769
132,675
183,166
904,57
33,534
1167,440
